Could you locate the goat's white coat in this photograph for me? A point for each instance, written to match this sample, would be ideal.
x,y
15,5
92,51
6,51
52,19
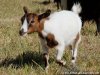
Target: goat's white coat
x,y
64,25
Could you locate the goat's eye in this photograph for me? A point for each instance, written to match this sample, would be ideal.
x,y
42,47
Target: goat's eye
x,y
32,21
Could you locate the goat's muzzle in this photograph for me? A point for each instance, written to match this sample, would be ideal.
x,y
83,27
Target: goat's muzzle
x,y
21,32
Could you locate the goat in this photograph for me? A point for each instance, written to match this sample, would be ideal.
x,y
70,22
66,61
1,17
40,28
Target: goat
x,y
57,30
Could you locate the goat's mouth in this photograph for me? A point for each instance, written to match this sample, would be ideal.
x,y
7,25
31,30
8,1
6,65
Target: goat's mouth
x,y
22,33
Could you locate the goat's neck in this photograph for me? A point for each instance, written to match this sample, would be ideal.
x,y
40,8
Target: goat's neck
x,y
40,26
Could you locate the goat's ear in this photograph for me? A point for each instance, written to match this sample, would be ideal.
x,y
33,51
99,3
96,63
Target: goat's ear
x,y
44,15
25,9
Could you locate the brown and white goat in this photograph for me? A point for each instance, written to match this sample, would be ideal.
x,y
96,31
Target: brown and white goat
x,y
58,30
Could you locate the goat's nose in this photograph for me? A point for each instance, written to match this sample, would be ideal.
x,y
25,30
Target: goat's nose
x,y
21,32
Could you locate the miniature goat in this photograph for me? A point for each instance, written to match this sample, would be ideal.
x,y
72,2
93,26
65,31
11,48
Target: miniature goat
x,y
58,30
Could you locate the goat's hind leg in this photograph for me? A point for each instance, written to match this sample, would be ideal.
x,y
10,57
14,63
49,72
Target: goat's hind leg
x,y
74,47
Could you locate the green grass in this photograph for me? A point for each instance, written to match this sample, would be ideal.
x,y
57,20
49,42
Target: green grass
x,y
23,55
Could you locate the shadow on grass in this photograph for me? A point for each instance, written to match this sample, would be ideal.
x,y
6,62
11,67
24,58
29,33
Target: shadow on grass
x,y
34,59
29,58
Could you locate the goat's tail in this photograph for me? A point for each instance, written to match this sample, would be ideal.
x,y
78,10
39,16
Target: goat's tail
x,y
76,8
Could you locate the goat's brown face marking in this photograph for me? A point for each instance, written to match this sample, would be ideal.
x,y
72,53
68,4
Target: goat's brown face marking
x,y
51,42
31,22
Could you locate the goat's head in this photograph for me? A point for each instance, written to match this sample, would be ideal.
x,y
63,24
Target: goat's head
x,y
31,21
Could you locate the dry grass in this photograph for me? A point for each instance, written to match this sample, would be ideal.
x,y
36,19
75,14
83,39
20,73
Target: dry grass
x,y
22,55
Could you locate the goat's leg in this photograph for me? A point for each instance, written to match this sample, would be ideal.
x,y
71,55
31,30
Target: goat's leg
x,y
45,53
46,58
74,48
60,51
98,26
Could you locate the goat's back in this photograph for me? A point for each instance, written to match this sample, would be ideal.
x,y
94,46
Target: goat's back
x,y
64,25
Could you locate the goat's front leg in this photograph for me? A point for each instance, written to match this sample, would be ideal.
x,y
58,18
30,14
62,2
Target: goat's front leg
x,y
60,51
45,53
46,59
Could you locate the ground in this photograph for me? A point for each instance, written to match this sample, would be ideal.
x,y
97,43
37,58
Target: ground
x,y
23,55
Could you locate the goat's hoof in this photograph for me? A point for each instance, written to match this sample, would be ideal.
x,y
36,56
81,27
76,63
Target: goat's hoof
x,y
61,62
73,62
46,68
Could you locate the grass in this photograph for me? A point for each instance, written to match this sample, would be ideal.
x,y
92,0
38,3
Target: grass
x,y
23,55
